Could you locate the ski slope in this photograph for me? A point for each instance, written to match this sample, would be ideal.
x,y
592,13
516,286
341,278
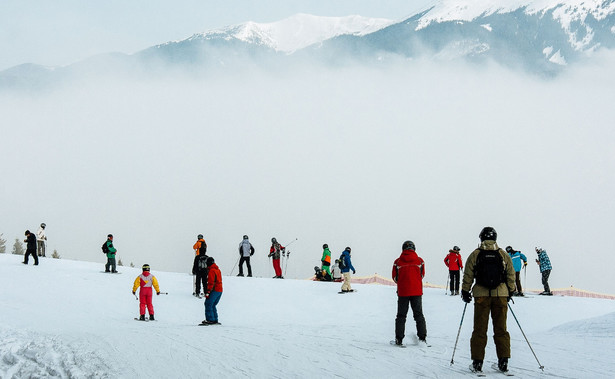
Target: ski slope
x,y
66,319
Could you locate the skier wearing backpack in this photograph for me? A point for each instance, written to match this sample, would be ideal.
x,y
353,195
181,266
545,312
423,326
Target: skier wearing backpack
x,y
492,269
274,252
146,281
213,293
246,250
200,247
545,269
517,257
345,267
408,273
110,251
454,263
199,268
326,259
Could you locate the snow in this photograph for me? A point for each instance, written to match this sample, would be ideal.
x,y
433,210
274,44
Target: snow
x,y
300,30
487,27
558,58
67,319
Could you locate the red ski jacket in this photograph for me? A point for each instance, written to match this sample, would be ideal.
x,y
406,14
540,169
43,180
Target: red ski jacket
x,y
408,273
214,279
453,261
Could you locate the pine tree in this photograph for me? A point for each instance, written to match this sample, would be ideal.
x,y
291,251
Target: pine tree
x,y
132,264
2,244
119,262
55,254
18,247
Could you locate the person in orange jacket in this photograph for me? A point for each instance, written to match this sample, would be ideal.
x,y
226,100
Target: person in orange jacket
x,y
214,292
454,263
200,247
146,281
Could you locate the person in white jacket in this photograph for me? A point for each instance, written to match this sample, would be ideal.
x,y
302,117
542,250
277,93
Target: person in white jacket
x,y
246,250
41,239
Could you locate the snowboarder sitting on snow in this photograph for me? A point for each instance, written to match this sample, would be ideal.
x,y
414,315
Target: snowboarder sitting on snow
x,y
336,273
213,293
517,257
146,281
321,275
408,273
199,268
345,267
454,263
274,252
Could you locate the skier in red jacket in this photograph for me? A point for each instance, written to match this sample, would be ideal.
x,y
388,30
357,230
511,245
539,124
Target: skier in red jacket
x,y
454,263
408,273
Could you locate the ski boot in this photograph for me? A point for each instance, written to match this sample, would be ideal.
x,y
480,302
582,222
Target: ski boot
x,y
477,366
151,317
503,364
142,318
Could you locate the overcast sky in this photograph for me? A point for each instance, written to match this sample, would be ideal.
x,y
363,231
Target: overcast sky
x,y
64,31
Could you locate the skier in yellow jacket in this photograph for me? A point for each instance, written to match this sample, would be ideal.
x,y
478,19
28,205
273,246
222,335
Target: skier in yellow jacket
x,y
146,281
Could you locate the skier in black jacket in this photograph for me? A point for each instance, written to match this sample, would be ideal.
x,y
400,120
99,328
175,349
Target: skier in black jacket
x,y
30,248
199,268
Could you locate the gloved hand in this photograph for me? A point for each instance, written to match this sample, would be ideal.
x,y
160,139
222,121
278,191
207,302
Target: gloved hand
x,y
206,294
524,264
157,293
354,272
510,295
133,292
466,296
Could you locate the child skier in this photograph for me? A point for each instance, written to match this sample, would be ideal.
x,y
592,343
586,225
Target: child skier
x,y
146,281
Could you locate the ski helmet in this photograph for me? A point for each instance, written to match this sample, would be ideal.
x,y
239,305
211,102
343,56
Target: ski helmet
x,y
210,261
509,249
325,246
145,267
245,236
488,233
408,245
43,225
273,240
200,236
456,248
109,235
348,248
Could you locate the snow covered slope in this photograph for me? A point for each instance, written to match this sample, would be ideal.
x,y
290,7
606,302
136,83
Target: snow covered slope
x,y
67,319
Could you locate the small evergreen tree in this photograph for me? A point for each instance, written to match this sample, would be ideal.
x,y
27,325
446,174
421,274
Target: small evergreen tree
x,y
2,244
55,254
119,262
132,264
18,247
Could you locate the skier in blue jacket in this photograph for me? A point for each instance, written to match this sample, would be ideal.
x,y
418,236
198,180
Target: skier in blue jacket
x,y
345,267
517,257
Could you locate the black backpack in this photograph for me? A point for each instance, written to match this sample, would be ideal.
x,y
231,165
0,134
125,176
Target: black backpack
x,y
489,269
202,263
105,248
342,261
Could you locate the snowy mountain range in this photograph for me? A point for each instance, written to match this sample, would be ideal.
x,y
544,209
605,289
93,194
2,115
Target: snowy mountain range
x,y
539,36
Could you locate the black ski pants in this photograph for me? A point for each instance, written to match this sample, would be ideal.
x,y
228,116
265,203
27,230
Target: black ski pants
x,y
33,252
403,303
247,260
454,274
545,280
201,277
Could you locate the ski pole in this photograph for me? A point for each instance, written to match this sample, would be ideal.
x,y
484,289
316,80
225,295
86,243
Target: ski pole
x,y
291,242
446,288
136,297
235,266
459,331
525,276
540,366
286,265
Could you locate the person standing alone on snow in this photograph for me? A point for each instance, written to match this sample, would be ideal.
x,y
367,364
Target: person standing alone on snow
x,y
326,259
146,281
274,252
214,292
110,251
545,269
246,250
30,248
493,272
408,273
517,257
345,267
41,239
454,263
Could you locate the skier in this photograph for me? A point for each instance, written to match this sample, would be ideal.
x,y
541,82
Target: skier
x,y
110,251
214,292
517,257
199,268
326,259
146,280
274,252
41,239
493,271
454,263
345,267
408,273
246,250
545,269
336,273
200,247
30,248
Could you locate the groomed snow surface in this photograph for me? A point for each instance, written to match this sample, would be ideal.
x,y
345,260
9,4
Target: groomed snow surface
x,y
67,319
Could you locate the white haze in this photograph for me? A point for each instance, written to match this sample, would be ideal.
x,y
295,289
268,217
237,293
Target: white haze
x,y
355,156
